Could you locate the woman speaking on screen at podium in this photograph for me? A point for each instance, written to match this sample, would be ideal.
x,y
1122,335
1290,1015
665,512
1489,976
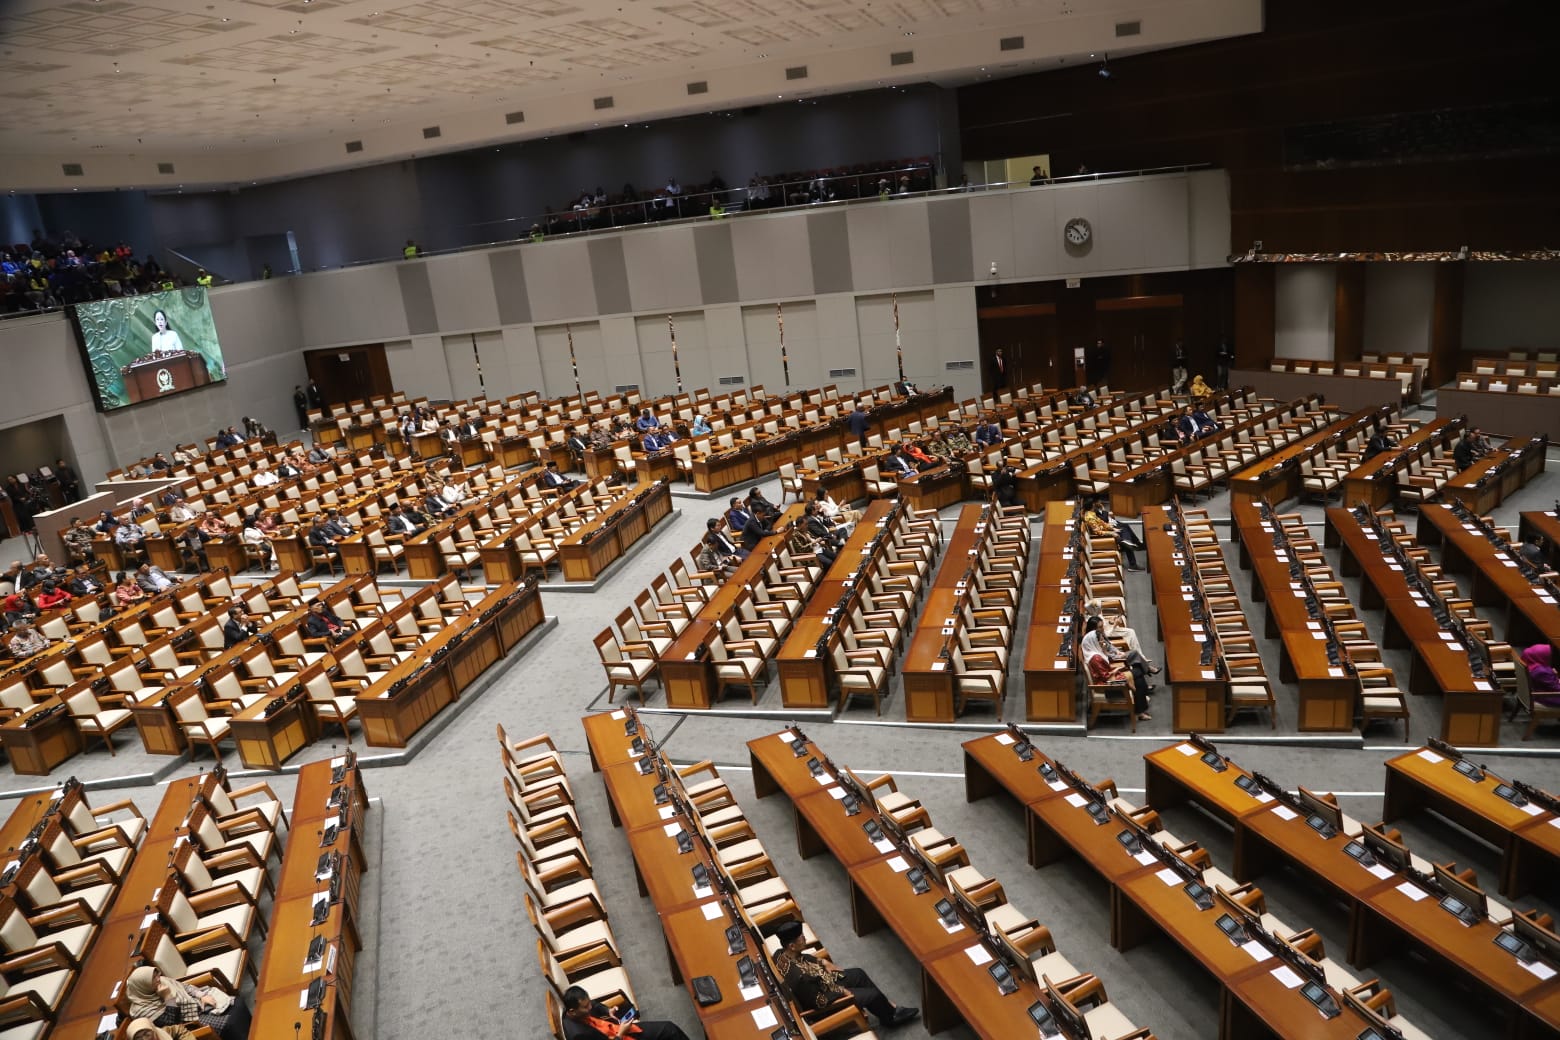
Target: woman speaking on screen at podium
x,y
164,340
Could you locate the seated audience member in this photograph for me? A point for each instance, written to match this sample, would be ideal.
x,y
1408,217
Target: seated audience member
x,y
987,432
918,455
401,524
180,513
646,421
130,539
268,522
457,492
584,1019
1096,640
1466,452
1533,551
52,595
897,464
551,478
19,608
152,578
1102,671
290,467
832,511
321,538
761,507
323,623
127,591
700,426
737,515
1004,485
435,507
106,524
816,983
255,539
654,440
144,1029
78,541
238,628
754,531
1097,521
1206,424
319,455
958,443
716,539
139,510
1084,398
85,583
468,428
26,640
264,475
160,463
160,998
1379,442
1542,680
1200,388
337,527
1112,627
578,446
213,526
42,570
1186,428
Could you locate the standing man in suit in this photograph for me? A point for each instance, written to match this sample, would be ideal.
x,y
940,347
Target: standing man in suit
x,y
301,403
999,372
859,422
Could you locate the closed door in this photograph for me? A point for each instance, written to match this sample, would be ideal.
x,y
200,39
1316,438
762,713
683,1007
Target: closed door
x,y
1028,343
1138,342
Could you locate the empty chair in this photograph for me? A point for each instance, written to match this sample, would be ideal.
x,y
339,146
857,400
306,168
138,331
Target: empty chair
x,y
198,724
625,666
95,719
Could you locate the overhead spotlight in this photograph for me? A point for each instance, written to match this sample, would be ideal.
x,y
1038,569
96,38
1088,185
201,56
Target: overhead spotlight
x,y
1104,70
1462,254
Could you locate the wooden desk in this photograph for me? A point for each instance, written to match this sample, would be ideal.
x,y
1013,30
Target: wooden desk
x,y
1200,691
40,738
1327,691
1176,774
1527,836
1546,524
264,740
1374,482
1277,478
1531,614
1050,655
587,552
1490,481
1471,707
935,488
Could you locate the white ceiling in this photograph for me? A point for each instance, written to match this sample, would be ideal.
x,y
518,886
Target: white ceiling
x,y
230,90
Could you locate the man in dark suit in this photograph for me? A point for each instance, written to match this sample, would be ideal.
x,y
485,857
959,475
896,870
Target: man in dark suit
x,y
737,515
578,446
551,478
754,531
320,538
584,1019
239,628
898,464
761,507
724,547
859,422
335,526
401,524
322,623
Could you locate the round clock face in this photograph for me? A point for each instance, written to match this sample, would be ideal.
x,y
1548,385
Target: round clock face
x,y
1077,231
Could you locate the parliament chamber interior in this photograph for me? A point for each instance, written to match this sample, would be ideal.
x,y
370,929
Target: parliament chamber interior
x,y
1059,495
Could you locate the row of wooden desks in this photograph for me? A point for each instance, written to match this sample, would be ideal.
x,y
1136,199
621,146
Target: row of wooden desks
x,y
1499,475
1055,622
1277,477
1327,691
929,678
306,978
1147,898
1374,481
1470,706
955,985
1532,614
694,918
1386,908
587,552
802,661
1200,691
1546,525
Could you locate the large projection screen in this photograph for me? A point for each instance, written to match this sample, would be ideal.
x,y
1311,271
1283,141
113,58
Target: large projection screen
x,y
146,348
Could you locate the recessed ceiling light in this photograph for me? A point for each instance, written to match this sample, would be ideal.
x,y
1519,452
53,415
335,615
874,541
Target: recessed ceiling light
x,y
907,31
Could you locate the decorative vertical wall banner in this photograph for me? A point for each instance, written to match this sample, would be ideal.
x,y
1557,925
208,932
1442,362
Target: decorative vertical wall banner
x,y
573,362
899,350
785,360
671,328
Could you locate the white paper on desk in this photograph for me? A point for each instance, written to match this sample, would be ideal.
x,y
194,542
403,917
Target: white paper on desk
x,y
1384,873
1186,749
620,715
1480,684
1508,563
1186,588
1412,891
764,1017
898,865
108,1023
1295,586
978,954
1063,665
1318,635
1394,566
750,992
951,929
1058,785
1190,597
702,891
1256,951
810,653
1314,626
1263,797
147,921
320,897
303,997
691,655
1146,858
1430,756
947,631
1532,809
1076,800
335,762
1546,597
710,911
1446,637
837,793
1169,877
673,829
1540,969
667,812
1284,812
1196,628
824,779
786,736
1062,630
1370,535
1336,673
1287,976
1005,739
938,666
883,846
1210,673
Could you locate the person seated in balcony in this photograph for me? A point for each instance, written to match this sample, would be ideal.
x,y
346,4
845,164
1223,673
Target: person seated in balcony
x,y
1206,424
552,478
919,456
1379,442
152,578
1102,671
727,552
585,1019
898,463
761,507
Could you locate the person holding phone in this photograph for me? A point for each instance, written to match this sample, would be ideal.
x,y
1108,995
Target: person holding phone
x,y
585,1019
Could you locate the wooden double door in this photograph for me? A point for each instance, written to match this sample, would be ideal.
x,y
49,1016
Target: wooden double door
x,y
1140,334
1028,338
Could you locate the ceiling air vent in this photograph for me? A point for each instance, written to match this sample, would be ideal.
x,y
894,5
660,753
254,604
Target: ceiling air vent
x,y
72,169
165,167
1012,43
902,58
604,102
514,117
354,146
796,72
430,132
701,87
840,373
1129,28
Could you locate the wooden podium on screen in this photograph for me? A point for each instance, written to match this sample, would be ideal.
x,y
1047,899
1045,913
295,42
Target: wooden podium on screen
x,y
159,374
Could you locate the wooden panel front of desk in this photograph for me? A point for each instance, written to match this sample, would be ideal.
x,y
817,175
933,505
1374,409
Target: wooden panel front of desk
x,y
390,721
424,561
160,732
266,741
35,749
227,552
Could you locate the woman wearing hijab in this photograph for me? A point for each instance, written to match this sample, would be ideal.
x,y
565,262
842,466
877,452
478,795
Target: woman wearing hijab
x,y
1542,680
143,1029
166,1001
1200,388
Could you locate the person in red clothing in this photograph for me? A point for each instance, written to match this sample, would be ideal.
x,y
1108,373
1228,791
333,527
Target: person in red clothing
x,y
52,595
1102,671
585,1019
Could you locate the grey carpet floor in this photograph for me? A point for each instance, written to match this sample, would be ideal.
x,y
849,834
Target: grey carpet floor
x,y
452,943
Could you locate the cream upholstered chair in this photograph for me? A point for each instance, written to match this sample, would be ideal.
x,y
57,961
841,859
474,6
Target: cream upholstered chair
x,y
328,700
598,971
93,829
28,1005
862,672
625,666
265,814
81,893
566,933
231,916
198,724
225,878
21,935
95,719
204,960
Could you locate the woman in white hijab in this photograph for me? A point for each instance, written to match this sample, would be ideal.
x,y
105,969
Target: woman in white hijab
x,y
143,1029
1112,627
163,999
